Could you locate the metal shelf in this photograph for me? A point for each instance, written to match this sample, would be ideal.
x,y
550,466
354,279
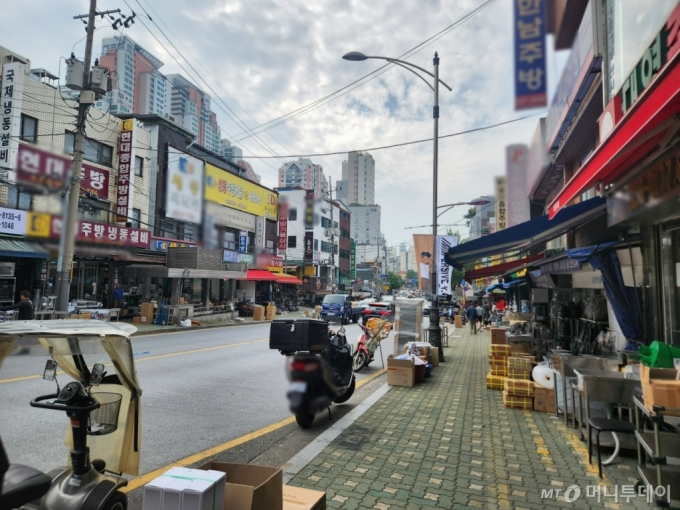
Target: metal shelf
x,y
670,446
668,478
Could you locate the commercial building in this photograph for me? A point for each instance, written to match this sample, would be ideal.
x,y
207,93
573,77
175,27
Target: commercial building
x,y
35,159
365,224
358,179
305,174
483,222
229,151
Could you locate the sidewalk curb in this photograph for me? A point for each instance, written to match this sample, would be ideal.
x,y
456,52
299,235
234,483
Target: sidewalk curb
x,y
309,452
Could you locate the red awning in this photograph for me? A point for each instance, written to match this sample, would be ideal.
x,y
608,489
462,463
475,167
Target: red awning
x,y
259,275
643,130
283,278
489,271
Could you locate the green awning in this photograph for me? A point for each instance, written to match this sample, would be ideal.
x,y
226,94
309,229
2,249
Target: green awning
x,y
17,248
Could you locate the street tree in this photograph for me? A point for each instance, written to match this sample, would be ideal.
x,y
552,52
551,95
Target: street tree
x,y
395,280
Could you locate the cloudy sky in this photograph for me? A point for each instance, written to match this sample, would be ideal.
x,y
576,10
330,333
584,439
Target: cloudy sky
x,y
268,58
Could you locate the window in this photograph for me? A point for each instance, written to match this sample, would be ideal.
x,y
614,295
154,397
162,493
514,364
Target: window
x,y
139,166
292,214
168,229
292,241
316,245
95,151
92,210
335,224
29,128
136,215
325,247
325,222
230,241
344,254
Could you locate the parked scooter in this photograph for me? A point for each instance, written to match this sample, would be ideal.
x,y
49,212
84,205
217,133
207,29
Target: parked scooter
x,y
92,403
320,367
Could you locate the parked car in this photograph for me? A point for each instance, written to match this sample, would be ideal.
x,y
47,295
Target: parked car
x,y
338,307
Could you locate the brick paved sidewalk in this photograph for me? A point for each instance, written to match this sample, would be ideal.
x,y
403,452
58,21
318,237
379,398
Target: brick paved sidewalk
x,y
450,443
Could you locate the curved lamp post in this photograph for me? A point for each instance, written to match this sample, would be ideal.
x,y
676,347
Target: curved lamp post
x,y
434,331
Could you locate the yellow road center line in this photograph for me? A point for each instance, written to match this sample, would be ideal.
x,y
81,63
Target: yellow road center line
x,y
211,452
38,376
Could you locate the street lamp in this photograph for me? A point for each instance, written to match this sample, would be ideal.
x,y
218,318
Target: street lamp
x,y
434,331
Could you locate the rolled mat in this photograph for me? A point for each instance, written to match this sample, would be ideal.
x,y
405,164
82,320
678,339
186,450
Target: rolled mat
x,y
544,377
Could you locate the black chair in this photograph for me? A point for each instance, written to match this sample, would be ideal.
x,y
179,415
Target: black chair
x,y
20,484
607,425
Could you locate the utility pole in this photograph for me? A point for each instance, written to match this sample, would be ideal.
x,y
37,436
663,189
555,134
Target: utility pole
x,y
70,221
330,194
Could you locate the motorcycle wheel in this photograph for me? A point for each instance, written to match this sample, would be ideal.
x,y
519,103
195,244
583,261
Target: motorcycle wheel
x,y
359,361
304,419
348,392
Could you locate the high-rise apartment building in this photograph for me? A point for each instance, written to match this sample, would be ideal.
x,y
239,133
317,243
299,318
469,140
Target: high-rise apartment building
x,y
483,222
190,107
229,151
358,179
137,84
304,174
365,227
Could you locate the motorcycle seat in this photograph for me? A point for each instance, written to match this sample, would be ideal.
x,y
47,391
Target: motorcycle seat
x,y
22,485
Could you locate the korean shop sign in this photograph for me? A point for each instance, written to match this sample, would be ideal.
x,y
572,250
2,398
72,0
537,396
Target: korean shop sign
x,y
13,221
95,181
222,187
39,168
11,98
125,161
184,187
530,75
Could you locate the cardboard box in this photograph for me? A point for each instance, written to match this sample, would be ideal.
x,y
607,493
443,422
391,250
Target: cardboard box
x,y
250,487
660,387
544,400
400,372
498,336
499,350
515,363
517,402
520,350
434,356
494,382
258,313
458,321
136,320
499,370
498,360
271,313
519,387
519,374
297,498
153,493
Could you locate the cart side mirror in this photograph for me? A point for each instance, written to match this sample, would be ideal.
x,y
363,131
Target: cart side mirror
x,y
97,374
50,370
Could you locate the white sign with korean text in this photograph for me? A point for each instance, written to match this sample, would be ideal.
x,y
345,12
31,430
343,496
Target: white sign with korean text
x,y
11,97
184,187
444,283
515,174
501,203
13,221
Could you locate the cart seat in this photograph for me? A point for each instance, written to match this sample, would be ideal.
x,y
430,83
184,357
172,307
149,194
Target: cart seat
x,y
22,485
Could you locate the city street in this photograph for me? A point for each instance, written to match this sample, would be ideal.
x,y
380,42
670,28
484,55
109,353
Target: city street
x,y
201,389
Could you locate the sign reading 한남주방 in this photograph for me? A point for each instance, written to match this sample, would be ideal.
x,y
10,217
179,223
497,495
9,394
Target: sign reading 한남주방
x,y
530,50
222,187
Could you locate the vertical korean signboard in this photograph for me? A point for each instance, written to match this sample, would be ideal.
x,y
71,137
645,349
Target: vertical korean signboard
x,y
184,187
309,250
501,203
515,174
11,97
530,49
444,283
283,227
125,160
353,261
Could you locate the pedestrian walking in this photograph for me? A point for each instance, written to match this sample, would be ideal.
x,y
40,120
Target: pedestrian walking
x,y
117,296
480,316
471,314
24,306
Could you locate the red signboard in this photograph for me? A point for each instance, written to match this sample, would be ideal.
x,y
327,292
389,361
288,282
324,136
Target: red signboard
x,y
41,168
96,181
283,226
104,233
277,262
124,166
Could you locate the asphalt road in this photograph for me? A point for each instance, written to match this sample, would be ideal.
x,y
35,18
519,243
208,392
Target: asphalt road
x,y
201,389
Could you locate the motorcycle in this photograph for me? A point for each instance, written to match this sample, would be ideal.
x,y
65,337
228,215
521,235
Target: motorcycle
x,y
319,367
92,402
368,342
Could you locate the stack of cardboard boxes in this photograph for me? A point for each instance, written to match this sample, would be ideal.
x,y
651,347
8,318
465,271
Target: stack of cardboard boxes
x,y
498,366
518,389
222,486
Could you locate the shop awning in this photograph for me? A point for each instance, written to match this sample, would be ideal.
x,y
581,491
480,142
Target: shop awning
x,y
527,234
643,130
17,248
499,269
287,278
259,275
584,253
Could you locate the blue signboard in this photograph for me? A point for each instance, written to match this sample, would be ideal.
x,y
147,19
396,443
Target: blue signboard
x,y
243,242
230,256
530,50
384,276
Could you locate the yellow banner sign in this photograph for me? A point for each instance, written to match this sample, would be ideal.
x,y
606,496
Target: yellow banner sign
x,y
38,224
273,269
309,271
224,188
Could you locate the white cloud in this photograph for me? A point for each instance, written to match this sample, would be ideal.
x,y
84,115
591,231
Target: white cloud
x,y
275,56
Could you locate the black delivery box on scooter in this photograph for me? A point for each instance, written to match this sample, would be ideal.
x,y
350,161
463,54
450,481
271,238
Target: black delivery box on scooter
x,y
292,335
